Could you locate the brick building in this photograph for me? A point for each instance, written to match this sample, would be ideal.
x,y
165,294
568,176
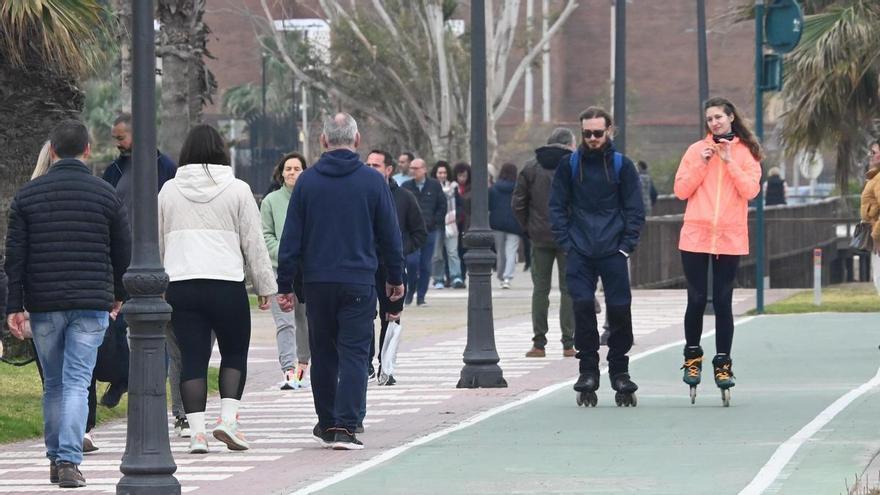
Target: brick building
x,y
662,81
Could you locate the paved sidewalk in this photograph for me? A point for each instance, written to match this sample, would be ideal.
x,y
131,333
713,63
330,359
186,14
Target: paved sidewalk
x,y
278,423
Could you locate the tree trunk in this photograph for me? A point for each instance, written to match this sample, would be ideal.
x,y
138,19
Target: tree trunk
x,y
35,100
122,9
202,84
175,49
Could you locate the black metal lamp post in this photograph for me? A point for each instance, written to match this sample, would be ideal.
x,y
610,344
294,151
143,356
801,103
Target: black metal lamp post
x,y
620,75
147,465
481,368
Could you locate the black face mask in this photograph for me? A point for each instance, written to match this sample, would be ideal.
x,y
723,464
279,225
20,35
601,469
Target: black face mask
x,y
718,137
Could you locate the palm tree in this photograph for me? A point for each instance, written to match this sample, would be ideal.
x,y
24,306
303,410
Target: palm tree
x,y
831,83
45,48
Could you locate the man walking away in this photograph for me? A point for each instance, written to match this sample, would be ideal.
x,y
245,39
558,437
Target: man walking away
x,y
432,202
340,213
597,216
531,199
71,297
412,235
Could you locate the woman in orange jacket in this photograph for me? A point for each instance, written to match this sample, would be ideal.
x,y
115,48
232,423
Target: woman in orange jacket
x,y
717,177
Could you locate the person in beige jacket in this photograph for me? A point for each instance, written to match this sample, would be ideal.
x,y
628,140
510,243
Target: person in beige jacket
x,y
209,233
870,208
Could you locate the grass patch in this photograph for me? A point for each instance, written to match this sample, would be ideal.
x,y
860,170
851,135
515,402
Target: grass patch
x,y
856,298
21,413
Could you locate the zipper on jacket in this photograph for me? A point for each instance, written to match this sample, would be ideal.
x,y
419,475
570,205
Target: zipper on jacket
x,y
717,210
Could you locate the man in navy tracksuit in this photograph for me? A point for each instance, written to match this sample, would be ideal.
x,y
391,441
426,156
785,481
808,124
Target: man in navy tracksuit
x,y
597,215
340,213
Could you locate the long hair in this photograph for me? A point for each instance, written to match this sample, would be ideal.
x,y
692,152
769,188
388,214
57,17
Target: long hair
x,y
442,164
204,145
43,161
459,168
739,126
279,167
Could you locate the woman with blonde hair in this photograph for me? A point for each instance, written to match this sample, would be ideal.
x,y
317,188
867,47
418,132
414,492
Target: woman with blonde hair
x,y
44,161
870,208
718,175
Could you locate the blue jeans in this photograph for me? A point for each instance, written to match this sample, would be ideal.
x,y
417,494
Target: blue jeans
x,y
67,346
418,268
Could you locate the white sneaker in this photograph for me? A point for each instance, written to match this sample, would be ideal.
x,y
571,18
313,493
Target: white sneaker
x,y
301,376
89,444
228,433
181,427
505,284
290,382
198,444
439,286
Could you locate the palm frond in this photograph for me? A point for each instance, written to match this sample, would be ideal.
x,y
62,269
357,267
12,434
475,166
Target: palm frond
x,y
63,33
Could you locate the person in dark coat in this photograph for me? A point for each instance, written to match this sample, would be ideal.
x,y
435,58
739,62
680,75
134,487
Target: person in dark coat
x,y
119,174
502,221
597,215
413,236
531,207
341,215
432,202
774,192
70,298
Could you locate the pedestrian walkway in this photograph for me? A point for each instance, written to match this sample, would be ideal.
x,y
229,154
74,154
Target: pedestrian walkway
x,y
284,458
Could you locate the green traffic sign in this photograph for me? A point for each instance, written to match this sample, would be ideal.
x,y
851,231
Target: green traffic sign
x,y
783,25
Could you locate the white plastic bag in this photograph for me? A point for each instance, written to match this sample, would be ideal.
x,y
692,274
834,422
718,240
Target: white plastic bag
x,y
875,270
389,351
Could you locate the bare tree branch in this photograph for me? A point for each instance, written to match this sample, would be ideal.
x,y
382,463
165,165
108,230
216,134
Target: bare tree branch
x,y
501,106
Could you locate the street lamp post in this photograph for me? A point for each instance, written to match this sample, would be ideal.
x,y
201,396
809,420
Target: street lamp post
x,y
147,465
703,58
481,368
620,75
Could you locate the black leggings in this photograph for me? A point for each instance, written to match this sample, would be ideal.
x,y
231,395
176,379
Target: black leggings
x,y
696,271
200,307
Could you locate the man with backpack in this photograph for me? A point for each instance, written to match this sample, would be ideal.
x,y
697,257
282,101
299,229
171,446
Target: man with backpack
x,y
596,214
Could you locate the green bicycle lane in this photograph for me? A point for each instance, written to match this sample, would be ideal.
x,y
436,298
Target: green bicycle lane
x,y
789,369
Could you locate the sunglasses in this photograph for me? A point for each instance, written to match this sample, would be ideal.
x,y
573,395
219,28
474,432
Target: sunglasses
x,y
587,133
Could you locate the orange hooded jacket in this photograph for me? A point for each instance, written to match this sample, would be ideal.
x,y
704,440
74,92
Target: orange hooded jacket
x,y
717,195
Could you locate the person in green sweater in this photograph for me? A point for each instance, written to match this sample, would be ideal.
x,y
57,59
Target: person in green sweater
x,y
292,331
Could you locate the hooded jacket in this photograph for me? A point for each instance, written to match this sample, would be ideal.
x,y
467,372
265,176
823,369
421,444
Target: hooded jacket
x,y
531,196
209,228
870,207
500,211
409,216
68,242
595,213
717,194
340,213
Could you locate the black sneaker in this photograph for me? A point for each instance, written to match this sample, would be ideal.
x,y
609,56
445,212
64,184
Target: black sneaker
x,y
421,302
113,395
69,475
323,437
360,428
181,428
371,371
345,440
390,381
53,472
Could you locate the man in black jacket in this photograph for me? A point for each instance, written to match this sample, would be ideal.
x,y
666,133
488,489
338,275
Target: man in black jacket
x,y
432,202
531,200
412,234
71,293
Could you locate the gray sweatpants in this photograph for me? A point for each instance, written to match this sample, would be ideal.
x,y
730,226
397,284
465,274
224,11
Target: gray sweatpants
x,y
291,335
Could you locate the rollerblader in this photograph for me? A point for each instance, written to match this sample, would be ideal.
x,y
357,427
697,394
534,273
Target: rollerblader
x,y
717,177
596,215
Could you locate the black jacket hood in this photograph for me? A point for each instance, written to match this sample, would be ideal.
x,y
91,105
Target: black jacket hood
x,y
549,156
